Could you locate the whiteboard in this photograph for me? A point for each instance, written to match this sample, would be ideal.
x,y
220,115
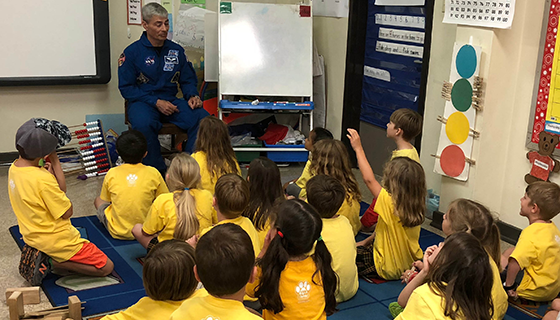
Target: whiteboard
x,y
50,38
265,49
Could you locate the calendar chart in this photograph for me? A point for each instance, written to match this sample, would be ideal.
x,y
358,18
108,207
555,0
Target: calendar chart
x,y
480,13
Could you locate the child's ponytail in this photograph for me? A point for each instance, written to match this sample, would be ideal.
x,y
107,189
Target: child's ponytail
x,y
272,263
183,175
323,261
187,222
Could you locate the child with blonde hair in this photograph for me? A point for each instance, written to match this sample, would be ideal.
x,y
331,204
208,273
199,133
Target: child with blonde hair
x,y
169,280
180,214
265,189
468,216
214,153
401,204
295,281
456,286
331,158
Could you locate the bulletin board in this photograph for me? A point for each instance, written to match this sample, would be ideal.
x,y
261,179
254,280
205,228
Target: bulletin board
x,y
393,61
545,110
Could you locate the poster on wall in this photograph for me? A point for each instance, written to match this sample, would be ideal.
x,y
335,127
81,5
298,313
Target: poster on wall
x,y
457,131
134,12
189,27
492,14
331,8
546,102
198,3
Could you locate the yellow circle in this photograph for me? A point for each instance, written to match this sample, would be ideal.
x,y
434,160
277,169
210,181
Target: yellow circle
x,y
457,128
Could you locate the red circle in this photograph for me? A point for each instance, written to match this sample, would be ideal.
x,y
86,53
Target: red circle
x,y
452,161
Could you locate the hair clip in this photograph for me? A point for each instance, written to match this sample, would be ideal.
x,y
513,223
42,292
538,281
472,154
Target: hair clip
x,y
280,234
187,189
320,238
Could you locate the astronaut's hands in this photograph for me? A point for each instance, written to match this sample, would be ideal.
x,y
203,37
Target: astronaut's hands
x,y
195,102
166,107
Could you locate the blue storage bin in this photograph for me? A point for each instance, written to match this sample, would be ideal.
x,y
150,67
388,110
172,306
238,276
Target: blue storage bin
x,y
287,156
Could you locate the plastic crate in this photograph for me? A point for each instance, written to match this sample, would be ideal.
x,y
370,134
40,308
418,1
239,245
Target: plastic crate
x,y
287,156
247,156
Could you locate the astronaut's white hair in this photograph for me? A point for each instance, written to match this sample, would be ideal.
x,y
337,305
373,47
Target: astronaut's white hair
x,y
153,9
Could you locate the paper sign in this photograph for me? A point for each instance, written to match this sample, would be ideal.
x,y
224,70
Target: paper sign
x,y
331,8
400,21
134,11
399,49
401,35
377,73
493,14
198,3
189,28
399,2
168,5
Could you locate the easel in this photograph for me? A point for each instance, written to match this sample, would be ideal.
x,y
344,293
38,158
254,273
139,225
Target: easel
x,y
16,298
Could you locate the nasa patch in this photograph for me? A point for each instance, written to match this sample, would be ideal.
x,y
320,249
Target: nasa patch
x,y
150,60
174,53
168,67
172,59
121,59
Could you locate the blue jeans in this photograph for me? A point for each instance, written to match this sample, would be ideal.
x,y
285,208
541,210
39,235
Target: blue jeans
x,y
148,120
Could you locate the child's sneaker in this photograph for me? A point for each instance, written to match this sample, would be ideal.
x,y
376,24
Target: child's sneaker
x,y
34,265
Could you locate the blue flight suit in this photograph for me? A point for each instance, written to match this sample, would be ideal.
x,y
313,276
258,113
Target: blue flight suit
x,y
146,74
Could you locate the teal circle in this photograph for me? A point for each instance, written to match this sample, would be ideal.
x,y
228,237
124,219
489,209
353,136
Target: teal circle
x,y
461,95
466,61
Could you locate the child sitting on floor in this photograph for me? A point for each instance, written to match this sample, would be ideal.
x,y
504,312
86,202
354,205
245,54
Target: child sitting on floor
x,y
457,285
296,187
38,198
225,262
230,199
169,279
326,195
404,125
401,204
180,214
214,153
129,189
464,216
537,251
331,158
265,188
295,281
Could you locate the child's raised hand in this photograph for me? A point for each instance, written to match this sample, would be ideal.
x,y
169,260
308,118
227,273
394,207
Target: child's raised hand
x,y
354,138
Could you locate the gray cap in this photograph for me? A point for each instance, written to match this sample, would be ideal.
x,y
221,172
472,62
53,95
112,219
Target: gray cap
x,y
34,142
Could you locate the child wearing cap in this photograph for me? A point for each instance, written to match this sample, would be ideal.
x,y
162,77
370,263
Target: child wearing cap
x,y
38,198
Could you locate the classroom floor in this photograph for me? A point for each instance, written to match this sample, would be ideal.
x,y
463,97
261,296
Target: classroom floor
x,y
82,194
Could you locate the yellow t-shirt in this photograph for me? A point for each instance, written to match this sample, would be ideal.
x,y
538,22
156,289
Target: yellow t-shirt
x,y
131,189
339,239
499,295
351,210
538,254
246,225
395,247
301,297
39,205
208,183
409,153
302,180
146,308
423,304
209,307
262,235
163,215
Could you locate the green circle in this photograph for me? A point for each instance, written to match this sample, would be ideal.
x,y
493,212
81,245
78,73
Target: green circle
x,y
461,95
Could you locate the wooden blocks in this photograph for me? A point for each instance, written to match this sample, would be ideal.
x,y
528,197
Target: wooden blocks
x,y
30,294
18,297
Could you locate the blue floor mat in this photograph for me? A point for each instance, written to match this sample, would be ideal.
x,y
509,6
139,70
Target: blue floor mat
x,y
109,298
